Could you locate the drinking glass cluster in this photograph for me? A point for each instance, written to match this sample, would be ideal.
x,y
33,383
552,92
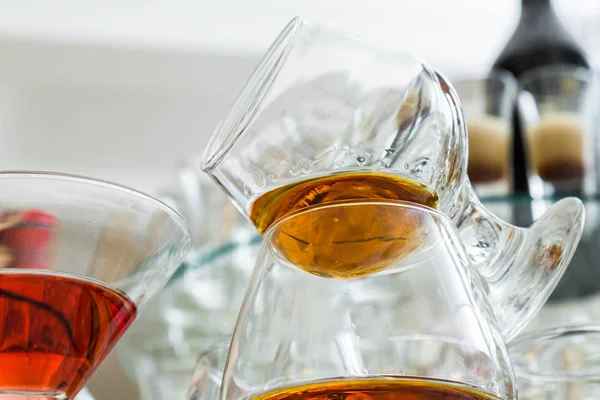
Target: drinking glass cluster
x,y
380,271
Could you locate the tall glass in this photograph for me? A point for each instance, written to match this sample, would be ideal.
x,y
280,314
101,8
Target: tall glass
x,y
390,306
81,257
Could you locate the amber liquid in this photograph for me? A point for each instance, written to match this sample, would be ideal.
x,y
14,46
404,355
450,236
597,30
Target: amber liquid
x,y
378,389
56,330
348,241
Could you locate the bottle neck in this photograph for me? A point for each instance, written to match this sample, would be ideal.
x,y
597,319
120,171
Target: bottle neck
x,y
536,3
534,10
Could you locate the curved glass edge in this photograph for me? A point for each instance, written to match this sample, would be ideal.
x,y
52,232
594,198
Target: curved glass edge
x,y
520,197
207,256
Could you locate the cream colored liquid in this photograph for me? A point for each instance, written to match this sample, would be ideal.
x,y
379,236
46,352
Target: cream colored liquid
x,y
489,149
556,147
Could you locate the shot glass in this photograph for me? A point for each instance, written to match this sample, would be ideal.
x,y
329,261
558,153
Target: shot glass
x,y
558,363
558,109
488,107
557,105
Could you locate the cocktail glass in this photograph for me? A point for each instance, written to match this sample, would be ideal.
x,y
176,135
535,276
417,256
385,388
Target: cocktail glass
x,y
81,260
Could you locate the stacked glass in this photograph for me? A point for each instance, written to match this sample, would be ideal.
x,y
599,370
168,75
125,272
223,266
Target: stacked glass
x,y
380,271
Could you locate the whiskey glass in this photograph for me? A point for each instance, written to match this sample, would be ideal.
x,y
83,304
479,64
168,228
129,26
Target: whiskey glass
x,y
329,116
81,259
561,363
335,304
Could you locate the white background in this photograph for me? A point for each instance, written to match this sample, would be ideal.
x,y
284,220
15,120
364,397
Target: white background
x,y
121,89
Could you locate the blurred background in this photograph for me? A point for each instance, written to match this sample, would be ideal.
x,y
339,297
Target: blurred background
x,y
124,90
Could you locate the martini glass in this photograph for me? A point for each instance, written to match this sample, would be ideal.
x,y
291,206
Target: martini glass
x,y
80,261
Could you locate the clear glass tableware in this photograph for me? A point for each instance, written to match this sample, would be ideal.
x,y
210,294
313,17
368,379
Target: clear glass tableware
x,y
561,363
345,308
208,372
558,107
488,104
197,307
81,260
329,116
580,284
212,218
427,353
164,371
566,312
210,283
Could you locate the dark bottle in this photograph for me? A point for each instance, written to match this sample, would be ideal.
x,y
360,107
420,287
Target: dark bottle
x,y
539,39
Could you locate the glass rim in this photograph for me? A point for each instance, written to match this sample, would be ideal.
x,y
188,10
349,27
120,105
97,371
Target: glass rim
x,y
212,353
100,183
361,202
249,99
582,74
494,74
547,335
508,80
222,342
251,96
